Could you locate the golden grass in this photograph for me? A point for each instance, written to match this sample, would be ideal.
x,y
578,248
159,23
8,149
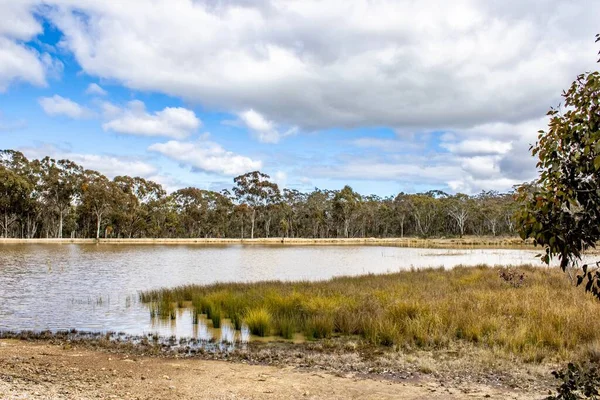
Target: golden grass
x,y
432,308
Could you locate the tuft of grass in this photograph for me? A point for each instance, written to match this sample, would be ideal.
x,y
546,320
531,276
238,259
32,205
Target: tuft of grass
x,y
285,326
319,326
215,316
543,317
258,321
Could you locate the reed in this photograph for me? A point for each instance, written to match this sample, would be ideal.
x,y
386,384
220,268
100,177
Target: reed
x,y
543,317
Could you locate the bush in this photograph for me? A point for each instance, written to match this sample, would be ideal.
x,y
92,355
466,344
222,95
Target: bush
x,y
258,321
578,382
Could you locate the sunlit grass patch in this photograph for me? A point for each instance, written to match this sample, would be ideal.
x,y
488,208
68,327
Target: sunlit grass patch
x,y
545,316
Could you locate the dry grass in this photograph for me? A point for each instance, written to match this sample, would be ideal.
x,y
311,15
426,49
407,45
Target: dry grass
x,y
434,308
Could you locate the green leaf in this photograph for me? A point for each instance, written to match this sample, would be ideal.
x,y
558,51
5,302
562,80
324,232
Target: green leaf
x,y
597,163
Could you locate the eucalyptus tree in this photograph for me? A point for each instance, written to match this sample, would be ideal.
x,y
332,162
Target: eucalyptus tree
x,y
425,210
61,185
139,198
256,191
561,209
58,197
402,209
458,208
14,192
98,194
346,202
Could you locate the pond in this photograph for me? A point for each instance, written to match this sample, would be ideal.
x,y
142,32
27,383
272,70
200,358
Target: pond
x,y
95,287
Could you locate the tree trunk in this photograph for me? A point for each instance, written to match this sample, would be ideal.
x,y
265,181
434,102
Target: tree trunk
x,y
402,227
267,226
60,225
98,219
252,220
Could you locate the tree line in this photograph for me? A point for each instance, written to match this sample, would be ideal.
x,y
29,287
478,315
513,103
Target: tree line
x,y
51,198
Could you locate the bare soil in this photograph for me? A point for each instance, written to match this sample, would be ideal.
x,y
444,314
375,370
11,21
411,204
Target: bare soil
x,y
42,370
465,242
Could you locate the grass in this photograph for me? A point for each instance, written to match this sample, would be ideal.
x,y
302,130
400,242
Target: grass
x,y
258,321
434,308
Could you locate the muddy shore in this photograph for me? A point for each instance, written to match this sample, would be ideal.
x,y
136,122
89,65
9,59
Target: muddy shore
x,y
62,366
466,242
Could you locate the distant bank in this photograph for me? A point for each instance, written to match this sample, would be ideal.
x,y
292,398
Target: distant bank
x,y
466,242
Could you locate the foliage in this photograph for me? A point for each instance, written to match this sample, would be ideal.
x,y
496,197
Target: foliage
x,y
52,198
577,382
561,210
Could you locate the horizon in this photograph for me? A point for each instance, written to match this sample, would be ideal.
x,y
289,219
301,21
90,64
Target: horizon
x,y
390,98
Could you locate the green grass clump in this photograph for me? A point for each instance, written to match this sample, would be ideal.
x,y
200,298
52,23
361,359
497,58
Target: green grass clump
x,y
258,321
431,308
285,326
216,316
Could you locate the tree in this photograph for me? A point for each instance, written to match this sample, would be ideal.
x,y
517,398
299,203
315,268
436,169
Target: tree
x,y
14,191
256,191
98,194
61,182
345,204
561,209
458,209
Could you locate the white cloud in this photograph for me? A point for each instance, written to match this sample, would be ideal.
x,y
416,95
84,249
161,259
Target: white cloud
x,y
18,61
58,105
109,165
397,63
206,156
264,130
280,178
388,145
175,122
95,89
478,147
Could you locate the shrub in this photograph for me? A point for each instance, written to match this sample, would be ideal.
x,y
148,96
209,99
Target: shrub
x,y
577,382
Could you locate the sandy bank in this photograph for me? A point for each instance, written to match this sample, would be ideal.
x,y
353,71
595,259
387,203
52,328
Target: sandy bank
x,y
467,242
40,370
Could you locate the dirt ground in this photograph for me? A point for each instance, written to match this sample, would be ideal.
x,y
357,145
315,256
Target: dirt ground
x,y
39,370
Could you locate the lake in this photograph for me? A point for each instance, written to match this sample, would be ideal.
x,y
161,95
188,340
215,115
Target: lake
x,y
95,287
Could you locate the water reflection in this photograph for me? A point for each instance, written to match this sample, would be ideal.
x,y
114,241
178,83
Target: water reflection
x,y
95,287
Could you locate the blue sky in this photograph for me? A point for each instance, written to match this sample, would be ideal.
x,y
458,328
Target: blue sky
x,y
386,96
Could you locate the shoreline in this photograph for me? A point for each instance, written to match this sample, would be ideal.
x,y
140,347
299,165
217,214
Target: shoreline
x,y
467,242
462,372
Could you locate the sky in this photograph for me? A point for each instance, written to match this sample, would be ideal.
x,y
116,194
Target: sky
x,y
383,95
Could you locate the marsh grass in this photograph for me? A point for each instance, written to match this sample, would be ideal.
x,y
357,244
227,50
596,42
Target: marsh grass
x,y
258,321
433,308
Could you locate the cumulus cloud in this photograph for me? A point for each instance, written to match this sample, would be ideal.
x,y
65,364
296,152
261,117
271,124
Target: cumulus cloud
x,y
484,72
58,105
478,147
388,145
206,156
426,64
95,89
18,61
174,122
109,165
264,130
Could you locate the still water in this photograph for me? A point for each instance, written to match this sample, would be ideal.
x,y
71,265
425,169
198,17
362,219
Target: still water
x,y
95,287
